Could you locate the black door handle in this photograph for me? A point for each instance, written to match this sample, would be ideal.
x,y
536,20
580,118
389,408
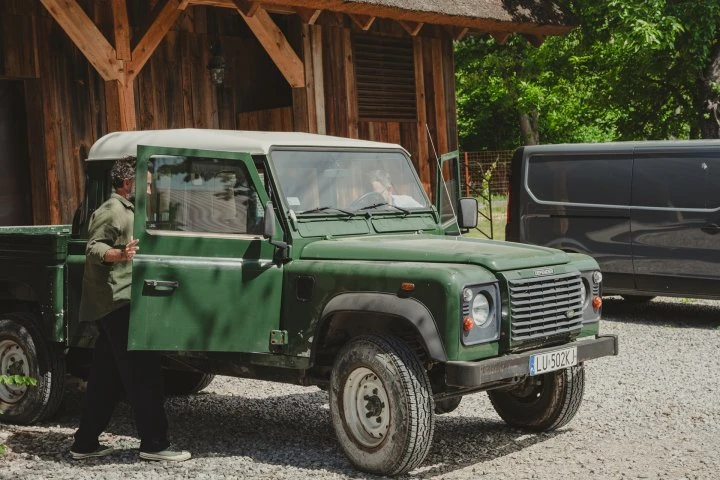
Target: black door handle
x,y
712,229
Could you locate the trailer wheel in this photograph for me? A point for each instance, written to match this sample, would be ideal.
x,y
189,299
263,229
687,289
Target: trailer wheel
x,y
24,351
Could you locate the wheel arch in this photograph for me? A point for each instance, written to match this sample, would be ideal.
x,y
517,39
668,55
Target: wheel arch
x,y
349,315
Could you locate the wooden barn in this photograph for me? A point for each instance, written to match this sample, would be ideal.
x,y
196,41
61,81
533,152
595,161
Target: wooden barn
x,y
74,70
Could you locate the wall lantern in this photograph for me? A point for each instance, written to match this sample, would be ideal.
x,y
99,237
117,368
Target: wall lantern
x,y
217,64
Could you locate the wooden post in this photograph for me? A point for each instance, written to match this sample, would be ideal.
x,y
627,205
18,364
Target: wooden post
x,y
467,175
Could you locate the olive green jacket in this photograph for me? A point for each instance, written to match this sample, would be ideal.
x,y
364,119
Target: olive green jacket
x,y
106,286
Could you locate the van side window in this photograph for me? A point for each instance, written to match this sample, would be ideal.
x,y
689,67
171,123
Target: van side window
x,y
203,195
588,179
677,181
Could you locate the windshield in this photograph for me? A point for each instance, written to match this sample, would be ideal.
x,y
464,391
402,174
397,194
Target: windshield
x,y
347,182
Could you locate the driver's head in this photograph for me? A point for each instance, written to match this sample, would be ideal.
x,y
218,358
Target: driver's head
x,y
380,180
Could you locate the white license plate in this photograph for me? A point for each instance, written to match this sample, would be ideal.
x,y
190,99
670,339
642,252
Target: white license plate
x,y
551,361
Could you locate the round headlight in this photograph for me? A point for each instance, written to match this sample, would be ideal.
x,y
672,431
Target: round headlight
x,y
467,294
597,277
481,309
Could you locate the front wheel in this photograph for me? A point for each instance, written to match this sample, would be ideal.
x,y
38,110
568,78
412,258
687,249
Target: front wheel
x,y
541,403
24,351
381,405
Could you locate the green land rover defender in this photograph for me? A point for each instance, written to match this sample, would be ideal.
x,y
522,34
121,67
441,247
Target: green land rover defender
x,y
312,260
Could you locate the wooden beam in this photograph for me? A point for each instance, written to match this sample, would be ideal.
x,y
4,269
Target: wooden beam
x,y
422,161
351,104
247,7
121,30
535,40
85,35
413,28
277,47
146,46
319,77
183,4
308,15
399,13
120,106
500,37
459,33
362,21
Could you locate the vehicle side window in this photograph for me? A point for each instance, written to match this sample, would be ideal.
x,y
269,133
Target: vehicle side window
x,y
677,181
587,179
203,195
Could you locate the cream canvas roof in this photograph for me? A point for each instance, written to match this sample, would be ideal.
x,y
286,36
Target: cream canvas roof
x,y
119,144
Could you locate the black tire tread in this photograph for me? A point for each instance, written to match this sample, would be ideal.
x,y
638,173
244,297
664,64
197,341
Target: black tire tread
x,y
414,379
180,382
568,387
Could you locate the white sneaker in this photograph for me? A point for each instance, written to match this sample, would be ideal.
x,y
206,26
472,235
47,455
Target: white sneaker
x,y
166,455
100,451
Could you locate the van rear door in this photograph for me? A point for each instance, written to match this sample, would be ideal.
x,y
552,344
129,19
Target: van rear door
x,y
675,220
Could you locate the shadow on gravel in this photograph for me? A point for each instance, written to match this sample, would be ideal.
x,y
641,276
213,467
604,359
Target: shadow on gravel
x,y
292,430
678,313
464,441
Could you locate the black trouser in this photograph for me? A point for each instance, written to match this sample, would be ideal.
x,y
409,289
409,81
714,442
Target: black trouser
x,y
115,370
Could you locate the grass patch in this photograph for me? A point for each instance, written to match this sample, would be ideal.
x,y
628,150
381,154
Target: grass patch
x,y
499,216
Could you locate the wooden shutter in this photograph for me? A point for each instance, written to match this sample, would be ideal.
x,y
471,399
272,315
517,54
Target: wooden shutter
x,y
385,78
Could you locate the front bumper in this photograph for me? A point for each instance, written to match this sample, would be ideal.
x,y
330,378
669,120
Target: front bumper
x,y
486,372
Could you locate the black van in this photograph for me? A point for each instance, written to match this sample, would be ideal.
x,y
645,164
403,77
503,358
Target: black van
x,y
649,212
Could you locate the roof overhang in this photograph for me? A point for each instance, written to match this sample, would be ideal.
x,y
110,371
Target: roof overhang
x,y
531,17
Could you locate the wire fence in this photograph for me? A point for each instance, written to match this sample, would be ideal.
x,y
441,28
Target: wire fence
x,y
489,167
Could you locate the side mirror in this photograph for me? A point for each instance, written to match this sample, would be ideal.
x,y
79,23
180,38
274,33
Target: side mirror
x,y
269,231
468,214
269,225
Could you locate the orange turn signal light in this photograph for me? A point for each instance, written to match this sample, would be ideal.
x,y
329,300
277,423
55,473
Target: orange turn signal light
x,y
468,324
597,302
407,286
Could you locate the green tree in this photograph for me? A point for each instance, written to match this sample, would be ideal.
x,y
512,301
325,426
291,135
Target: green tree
x,y
632,69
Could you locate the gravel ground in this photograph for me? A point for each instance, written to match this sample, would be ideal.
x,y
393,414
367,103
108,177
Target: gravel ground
x,y
651,412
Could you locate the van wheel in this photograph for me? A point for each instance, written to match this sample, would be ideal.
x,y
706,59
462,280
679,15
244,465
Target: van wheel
x,y
24,351
185,382
637,298
381,405
541,403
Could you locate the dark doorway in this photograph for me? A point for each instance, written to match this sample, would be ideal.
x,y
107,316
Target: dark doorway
x,y
15,195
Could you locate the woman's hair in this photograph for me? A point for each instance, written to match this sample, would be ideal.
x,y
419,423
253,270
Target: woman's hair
x,y
122,169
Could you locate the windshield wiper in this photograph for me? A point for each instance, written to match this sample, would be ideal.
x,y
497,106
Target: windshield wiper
x,y
375,205
323,209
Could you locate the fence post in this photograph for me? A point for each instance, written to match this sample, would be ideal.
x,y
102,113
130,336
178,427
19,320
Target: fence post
x,y
467,176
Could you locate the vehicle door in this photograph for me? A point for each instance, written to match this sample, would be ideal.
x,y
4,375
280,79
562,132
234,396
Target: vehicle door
x,y
675,220
204,278
447,192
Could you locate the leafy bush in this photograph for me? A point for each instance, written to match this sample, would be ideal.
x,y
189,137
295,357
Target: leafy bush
x,y
15,380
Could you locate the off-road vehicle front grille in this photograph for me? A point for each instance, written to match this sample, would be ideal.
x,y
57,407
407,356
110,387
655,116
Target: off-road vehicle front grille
x,y
545,306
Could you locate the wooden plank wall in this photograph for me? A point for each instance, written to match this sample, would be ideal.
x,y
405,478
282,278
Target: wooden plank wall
x,y
272,120
66,98
435,85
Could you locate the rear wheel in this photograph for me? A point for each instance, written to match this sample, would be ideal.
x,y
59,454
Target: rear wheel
x,y
24,351
448,405
381,405
182,382
541,403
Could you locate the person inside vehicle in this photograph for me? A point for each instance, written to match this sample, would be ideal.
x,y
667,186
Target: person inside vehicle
x,y
380,180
